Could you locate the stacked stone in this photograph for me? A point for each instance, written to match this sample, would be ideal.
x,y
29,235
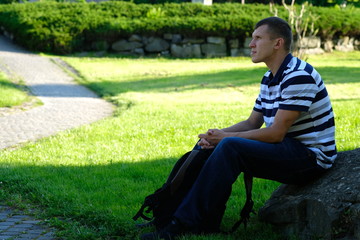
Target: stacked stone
x,y
310,45
179,46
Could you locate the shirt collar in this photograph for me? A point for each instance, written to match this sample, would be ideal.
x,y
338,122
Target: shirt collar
x,y
278,77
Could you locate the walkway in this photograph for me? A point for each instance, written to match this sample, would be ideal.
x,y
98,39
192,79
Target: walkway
x,y
66,105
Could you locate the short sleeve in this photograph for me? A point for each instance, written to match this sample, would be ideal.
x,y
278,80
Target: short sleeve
x,y
257,106
298,92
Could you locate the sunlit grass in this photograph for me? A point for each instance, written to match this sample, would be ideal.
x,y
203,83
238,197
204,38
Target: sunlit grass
x,y
11,94
96,176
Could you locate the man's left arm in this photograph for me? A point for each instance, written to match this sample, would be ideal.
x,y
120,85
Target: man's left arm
x,y
284,119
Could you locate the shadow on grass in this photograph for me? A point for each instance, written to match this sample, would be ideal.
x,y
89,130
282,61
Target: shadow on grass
x,y
101,198
339,75
6,84
346,100
98,200
233,78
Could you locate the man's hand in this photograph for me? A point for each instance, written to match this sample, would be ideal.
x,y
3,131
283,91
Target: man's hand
x,y
204,144
211,138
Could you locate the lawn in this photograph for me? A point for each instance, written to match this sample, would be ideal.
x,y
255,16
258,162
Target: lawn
x,y
90,181
11,94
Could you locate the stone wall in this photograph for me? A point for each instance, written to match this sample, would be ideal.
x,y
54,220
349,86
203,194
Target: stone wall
x,y
314,45
178,46
175,45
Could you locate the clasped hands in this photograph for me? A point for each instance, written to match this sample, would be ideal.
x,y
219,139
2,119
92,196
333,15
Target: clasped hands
x,y
211,138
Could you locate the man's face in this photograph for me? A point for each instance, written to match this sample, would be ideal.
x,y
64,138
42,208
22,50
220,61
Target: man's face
x,y
262,46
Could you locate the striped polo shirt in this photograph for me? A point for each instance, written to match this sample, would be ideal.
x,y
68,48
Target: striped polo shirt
x,y
298,86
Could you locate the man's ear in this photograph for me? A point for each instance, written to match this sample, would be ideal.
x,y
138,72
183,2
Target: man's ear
x,y
279,42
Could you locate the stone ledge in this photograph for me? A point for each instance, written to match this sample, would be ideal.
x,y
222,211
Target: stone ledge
x,y
328,208
179,46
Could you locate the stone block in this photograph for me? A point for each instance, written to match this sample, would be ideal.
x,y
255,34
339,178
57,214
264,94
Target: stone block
x,y
176,38
124,45
165,53
235,52
313,51
343,48
216,40
234,43
310,42
246,51
345,44
328,46
357,44
139,51
193,40
173,38
186,51
213,50
247,42
344,41
155,44
100,46
135,38
168,36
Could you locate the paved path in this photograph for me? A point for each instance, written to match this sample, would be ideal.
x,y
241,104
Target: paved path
x,y
66,105
16,225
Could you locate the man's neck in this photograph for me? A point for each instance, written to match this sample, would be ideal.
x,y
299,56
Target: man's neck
x,y
275,63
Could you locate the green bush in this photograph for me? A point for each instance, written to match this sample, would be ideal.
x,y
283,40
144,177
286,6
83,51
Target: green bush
x,y
68,27
335,22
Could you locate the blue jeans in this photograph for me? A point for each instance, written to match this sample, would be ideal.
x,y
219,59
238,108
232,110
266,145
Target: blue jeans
x,y
287,162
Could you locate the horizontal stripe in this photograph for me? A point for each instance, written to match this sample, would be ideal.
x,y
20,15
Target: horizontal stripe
x,y
291,107
310,119
299,93
320,108
317,128
270,112
321,95
297,79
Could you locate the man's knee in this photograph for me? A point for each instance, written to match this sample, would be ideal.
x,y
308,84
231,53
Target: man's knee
x,y
229,149
229,143
229,140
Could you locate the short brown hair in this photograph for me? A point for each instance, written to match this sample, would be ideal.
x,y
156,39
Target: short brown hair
x,y
278,27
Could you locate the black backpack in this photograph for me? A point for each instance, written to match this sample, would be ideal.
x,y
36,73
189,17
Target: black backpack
x,y
165,200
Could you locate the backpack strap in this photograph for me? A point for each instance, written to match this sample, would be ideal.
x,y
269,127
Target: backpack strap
x,y
179,177
172,183
151,202
141,214
248,207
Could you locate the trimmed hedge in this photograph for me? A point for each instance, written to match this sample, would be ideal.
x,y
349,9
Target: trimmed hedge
x,y
69,27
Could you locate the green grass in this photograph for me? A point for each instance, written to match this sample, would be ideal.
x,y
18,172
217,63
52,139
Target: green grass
x,y
11,94
91,180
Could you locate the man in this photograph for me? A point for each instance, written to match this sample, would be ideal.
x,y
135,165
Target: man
x,y
297,144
